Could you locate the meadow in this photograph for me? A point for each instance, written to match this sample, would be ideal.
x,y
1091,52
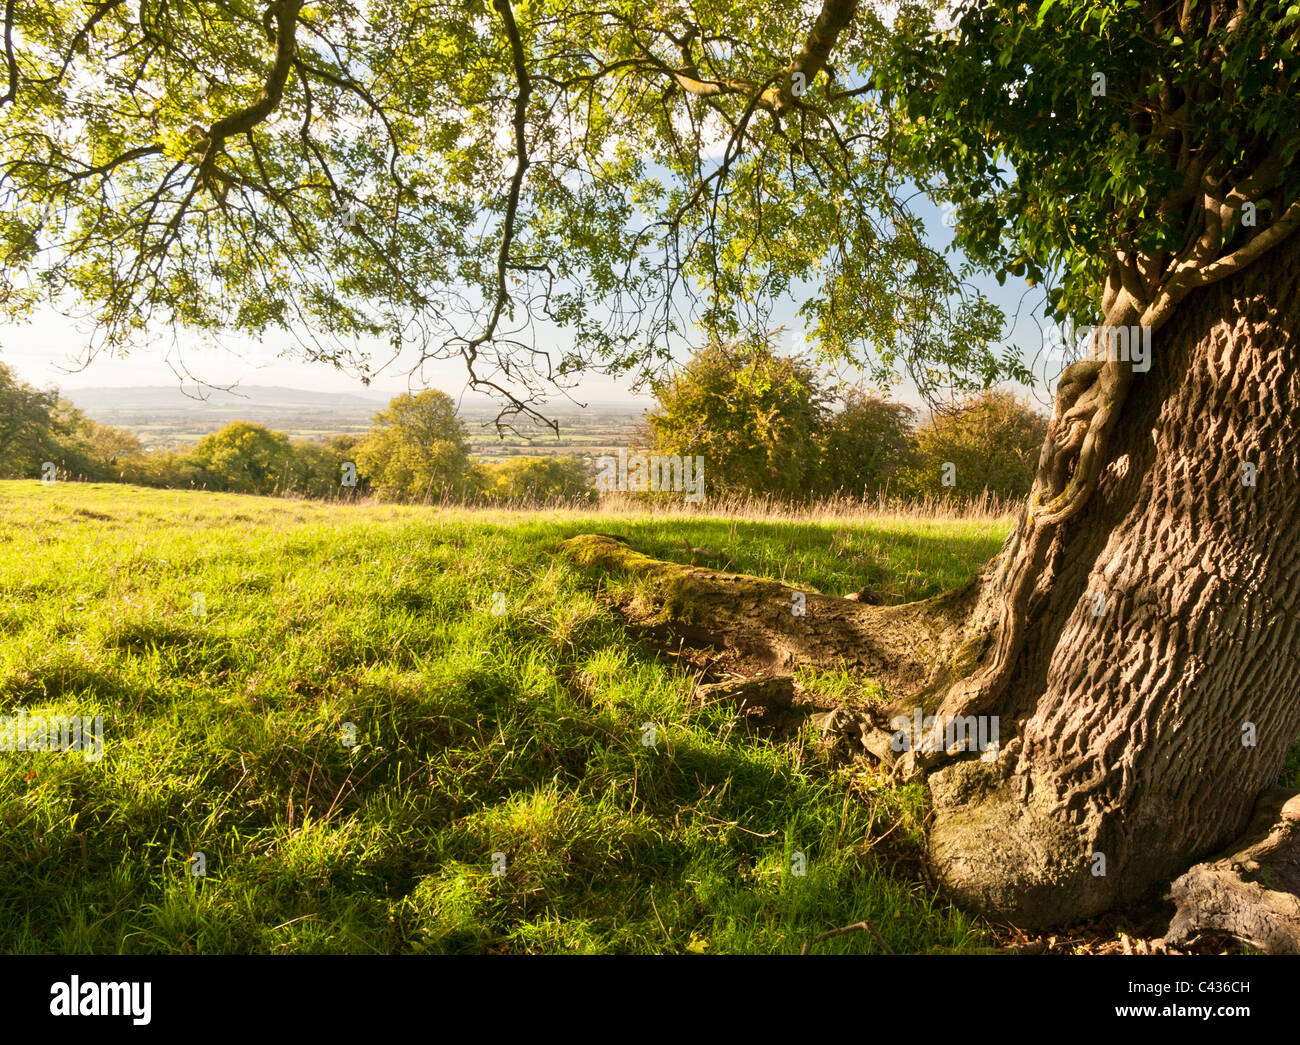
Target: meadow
x,y
419,729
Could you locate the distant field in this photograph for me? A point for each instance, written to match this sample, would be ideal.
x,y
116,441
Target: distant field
x,y
477,733
165,419
581,436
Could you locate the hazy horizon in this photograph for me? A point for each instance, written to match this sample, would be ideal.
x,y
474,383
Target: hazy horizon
x,y
30,349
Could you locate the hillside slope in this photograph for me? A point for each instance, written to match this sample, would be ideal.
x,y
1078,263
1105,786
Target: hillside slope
x,y
396,729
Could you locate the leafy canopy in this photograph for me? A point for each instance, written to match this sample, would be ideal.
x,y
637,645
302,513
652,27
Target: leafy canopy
x,y
475,179
244,457
1087,141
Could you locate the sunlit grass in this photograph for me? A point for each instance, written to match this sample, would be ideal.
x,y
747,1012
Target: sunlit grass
x,y
478,733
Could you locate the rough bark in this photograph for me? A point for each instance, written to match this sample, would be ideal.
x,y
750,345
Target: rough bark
x,y
1130,724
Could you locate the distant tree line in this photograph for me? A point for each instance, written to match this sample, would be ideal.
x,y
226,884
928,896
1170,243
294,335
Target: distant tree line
x,y
765,425
769,425
416,449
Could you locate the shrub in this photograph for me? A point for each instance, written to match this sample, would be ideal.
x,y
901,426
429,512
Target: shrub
x,y
993,441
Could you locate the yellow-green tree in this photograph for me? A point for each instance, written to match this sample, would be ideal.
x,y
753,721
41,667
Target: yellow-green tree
x,y
537,480
751,414
991,442
416,448
243,457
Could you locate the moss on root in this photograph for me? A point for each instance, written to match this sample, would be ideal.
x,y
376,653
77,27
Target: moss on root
x,y
998,846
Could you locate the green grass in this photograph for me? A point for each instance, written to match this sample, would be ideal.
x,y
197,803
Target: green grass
x,y
477,734
901,561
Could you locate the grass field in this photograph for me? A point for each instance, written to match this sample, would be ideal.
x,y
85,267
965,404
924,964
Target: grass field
x,y
507,741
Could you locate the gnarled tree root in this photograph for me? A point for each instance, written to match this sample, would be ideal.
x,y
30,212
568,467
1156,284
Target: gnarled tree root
x,y
913,650
1252,892
997,841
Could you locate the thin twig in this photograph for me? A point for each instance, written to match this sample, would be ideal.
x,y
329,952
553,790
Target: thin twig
x,y
732,823
856,927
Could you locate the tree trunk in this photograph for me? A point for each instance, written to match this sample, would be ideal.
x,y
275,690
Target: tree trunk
x,y
1154,688
1157,688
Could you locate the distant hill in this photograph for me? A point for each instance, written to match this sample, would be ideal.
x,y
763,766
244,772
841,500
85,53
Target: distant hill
x,y
242,397
142,398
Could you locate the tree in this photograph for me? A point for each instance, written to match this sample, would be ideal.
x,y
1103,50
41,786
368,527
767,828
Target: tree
x,y
243,457
166,468
316,469
751,414
537,480
990,442
866,444
92,451
1152,152
416,448
28,429
461,175
341,444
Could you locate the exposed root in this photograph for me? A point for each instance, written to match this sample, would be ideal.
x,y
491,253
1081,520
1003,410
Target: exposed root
x,y
913,650
1251,893
763,690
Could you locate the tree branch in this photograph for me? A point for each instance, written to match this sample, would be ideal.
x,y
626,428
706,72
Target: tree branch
x,y
12,92
285,14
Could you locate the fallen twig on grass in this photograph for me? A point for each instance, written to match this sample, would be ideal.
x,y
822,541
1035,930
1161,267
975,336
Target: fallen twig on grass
x,y
855,927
